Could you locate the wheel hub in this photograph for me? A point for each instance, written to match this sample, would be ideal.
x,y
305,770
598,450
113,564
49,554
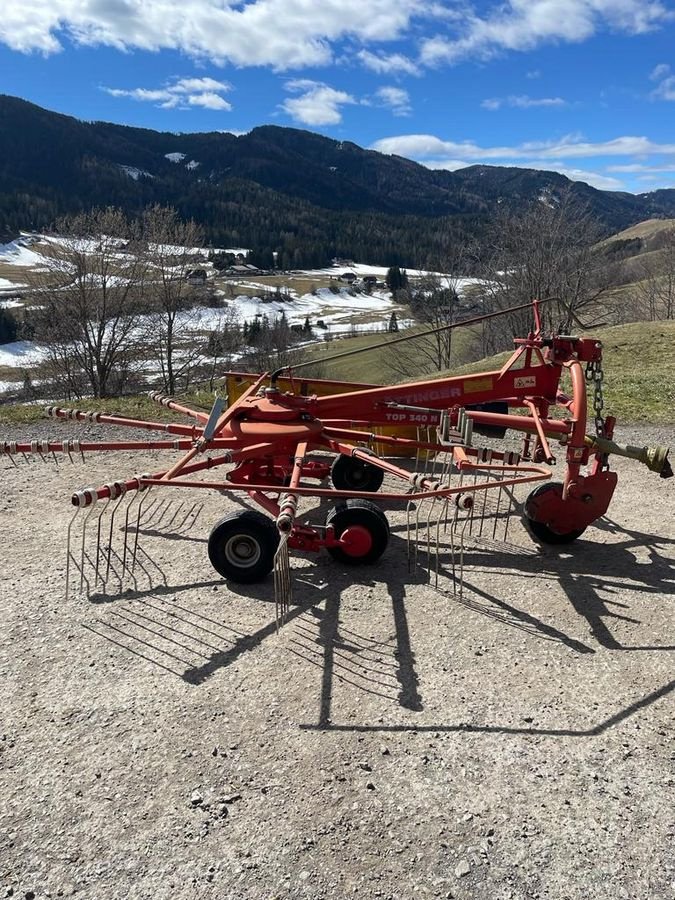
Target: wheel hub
x,y
356,541
242,550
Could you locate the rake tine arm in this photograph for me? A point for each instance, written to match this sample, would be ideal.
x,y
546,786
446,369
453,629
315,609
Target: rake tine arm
x,y
69,447
171,404
86,496
100,418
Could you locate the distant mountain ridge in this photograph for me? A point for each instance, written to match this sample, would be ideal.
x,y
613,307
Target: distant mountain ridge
x,y
275,188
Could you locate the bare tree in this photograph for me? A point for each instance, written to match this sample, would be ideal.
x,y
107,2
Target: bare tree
x,y
224,344
88,303
545,252
435,302
655,291
170,259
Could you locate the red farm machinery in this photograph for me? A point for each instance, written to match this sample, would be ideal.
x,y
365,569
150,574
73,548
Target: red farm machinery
x,y
282,440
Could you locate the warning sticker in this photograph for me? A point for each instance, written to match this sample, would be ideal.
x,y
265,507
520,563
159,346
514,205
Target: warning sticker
x,y
477,385
525,381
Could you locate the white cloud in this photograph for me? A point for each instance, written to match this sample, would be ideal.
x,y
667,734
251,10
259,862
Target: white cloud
x,y
521,101
209,100
180,93
659,72
421,146
317,103
630,168
388,64
293,34
665,89
284,34
595,179
524,24
395,99
641,156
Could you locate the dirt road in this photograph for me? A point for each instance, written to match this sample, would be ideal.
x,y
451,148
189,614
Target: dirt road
x,y
393,741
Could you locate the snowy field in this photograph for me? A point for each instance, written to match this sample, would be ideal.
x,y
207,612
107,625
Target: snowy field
x,y
341,309
339,312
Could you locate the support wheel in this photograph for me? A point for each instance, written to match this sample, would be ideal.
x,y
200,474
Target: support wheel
x,y
350,474
541,511
363,531
242,546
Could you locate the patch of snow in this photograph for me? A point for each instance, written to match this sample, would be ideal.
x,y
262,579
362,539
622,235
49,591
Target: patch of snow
x,y
135,173
18,253
193,164
10,304
83,245
174,157
6,285
324,304
458,282
20,354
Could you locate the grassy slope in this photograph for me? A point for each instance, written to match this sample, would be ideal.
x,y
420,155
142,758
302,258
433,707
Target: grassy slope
x,y
375,366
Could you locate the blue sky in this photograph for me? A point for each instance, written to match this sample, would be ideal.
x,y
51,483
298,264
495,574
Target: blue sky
x,y
583,87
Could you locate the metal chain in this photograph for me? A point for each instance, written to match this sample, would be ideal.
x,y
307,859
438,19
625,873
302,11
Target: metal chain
x,y
595,374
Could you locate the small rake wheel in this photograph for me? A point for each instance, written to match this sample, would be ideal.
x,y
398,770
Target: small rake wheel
x,y
362,529
536,504
350,474
242,546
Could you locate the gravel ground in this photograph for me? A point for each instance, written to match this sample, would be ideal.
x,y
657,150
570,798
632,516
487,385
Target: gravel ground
x,y
394,740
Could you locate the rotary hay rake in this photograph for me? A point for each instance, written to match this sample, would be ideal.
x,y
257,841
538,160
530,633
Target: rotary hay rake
x,y
275,437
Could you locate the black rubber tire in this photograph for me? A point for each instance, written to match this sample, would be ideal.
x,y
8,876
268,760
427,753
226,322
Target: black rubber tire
x,y
350,474
367,515
242,546
539,530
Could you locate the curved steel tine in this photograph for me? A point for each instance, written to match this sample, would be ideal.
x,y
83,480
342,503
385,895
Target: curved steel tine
x,y
500,477
471,511
82,554
68,548
126,532
101,516
282,582
144,495
408,510
111,535
515,460
417,532
442,518
461,561
482,514
432,506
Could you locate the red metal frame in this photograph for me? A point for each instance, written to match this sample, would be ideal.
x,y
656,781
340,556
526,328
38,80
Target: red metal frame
x,y
268,434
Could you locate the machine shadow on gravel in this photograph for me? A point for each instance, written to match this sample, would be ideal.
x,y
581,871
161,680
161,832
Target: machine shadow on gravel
x,y
583,574
179,637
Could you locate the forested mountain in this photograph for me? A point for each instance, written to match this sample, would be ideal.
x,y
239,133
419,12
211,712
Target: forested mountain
x,y
305,195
